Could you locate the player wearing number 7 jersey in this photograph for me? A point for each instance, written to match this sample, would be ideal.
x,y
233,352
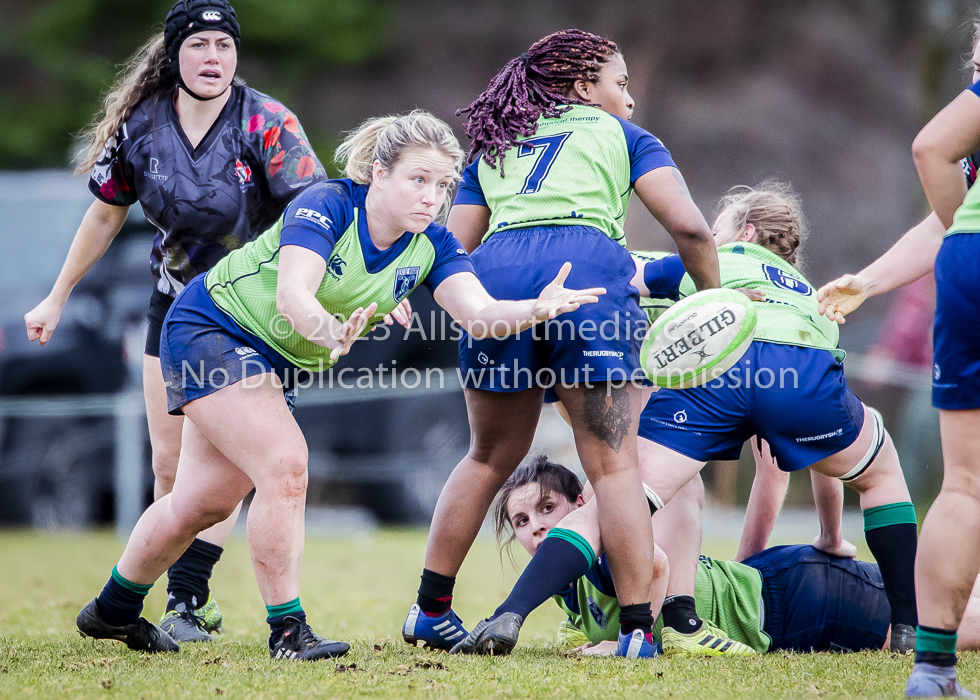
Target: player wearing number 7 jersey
x,y
555,161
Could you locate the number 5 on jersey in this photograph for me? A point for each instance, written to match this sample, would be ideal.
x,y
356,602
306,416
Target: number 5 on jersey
x,y
546,148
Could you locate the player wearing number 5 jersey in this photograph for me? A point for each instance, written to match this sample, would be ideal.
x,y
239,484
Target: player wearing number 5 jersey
x,y
351,249
555,160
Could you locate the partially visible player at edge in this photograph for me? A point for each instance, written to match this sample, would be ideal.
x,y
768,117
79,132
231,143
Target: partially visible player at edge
x,y
212,163
948,560
554,161
268,313
759,231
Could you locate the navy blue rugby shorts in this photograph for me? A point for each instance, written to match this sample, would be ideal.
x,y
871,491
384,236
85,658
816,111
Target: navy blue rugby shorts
x,y
818,602
203,350
794,398
597,343
956,330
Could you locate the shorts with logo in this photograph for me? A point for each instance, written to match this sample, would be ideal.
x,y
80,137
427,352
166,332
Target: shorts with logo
x,y
818,602
956,330
594,344
794,398
203,350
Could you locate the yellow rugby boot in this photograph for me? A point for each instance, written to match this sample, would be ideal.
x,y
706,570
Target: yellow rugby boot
x,y
707,641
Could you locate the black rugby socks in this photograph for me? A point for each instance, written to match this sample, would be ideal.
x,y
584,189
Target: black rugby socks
x,y
121,601
636,617
680,615
435,593
935,646
189,575
890,533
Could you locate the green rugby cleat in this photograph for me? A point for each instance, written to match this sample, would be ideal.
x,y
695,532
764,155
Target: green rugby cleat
x,y
210,615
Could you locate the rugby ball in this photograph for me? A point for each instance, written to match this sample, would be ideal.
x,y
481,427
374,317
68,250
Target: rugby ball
x,y
698,339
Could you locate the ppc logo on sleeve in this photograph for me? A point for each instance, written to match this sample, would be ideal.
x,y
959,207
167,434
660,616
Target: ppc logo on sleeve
x,y
316,217
405,280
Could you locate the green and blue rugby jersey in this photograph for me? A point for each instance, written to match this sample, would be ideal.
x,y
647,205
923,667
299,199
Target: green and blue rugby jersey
x,y
576,170
329,218
726,593
789,314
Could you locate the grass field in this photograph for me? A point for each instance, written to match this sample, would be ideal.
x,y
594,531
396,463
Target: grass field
x,y
359,590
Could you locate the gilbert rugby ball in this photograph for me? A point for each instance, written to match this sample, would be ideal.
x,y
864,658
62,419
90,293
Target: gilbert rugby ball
x,y
698,339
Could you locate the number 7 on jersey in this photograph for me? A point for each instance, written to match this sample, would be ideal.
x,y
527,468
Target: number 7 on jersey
x,y
546,148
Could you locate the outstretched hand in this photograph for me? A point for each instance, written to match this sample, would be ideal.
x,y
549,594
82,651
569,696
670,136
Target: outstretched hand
x,y
351,331
401,314
840,297
555,299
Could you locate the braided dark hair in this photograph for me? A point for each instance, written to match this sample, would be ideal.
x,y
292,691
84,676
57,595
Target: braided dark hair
x,y
533,85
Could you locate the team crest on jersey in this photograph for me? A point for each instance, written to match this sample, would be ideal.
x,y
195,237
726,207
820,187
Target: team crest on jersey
x,y
784,281
244,174
335,266
405,280
596,612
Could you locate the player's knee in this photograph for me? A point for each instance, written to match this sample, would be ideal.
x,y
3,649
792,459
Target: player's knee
x,y
962,482
289,476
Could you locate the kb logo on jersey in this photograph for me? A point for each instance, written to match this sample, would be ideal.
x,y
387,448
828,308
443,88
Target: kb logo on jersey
x,y
784,281
405,280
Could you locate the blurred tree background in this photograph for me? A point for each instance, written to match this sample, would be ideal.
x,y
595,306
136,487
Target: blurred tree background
x,y
61,56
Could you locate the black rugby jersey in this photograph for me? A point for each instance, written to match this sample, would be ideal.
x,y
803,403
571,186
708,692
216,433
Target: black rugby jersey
x,y
208,200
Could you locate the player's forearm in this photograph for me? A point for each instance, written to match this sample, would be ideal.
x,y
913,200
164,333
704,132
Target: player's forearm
x,y
765,502
307,317
500,318
941,178
828,494
911,258
700,258
99,227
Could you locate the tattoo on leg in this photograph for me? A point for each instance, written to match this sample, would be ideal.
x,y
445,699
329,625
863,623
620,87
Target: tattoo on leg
x,y
610,423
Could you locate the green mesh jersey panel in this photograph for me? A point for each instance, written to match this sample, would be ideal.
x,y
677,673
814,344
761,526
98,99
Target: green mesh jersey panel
x,y
967,217
575,170
243,285
789,314
726,593
729,594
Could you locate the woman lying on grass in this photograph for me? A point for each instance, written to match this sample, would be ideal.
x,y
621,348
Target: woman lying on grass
x,y
792,597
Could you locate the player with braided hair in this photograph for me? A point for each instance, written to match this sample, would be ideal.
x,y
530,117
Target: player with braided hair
x,y
788,389
213,163
553,162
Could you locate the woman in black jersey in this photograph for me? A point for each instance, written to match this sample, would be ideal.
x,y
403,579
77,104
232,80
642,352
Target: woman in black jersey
x,y
213,163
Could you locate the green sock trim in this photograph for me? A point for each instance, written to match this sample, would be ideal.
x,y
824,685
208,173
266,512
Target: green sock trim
x,y
891,514
934,642
581,544
129,585
290,608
